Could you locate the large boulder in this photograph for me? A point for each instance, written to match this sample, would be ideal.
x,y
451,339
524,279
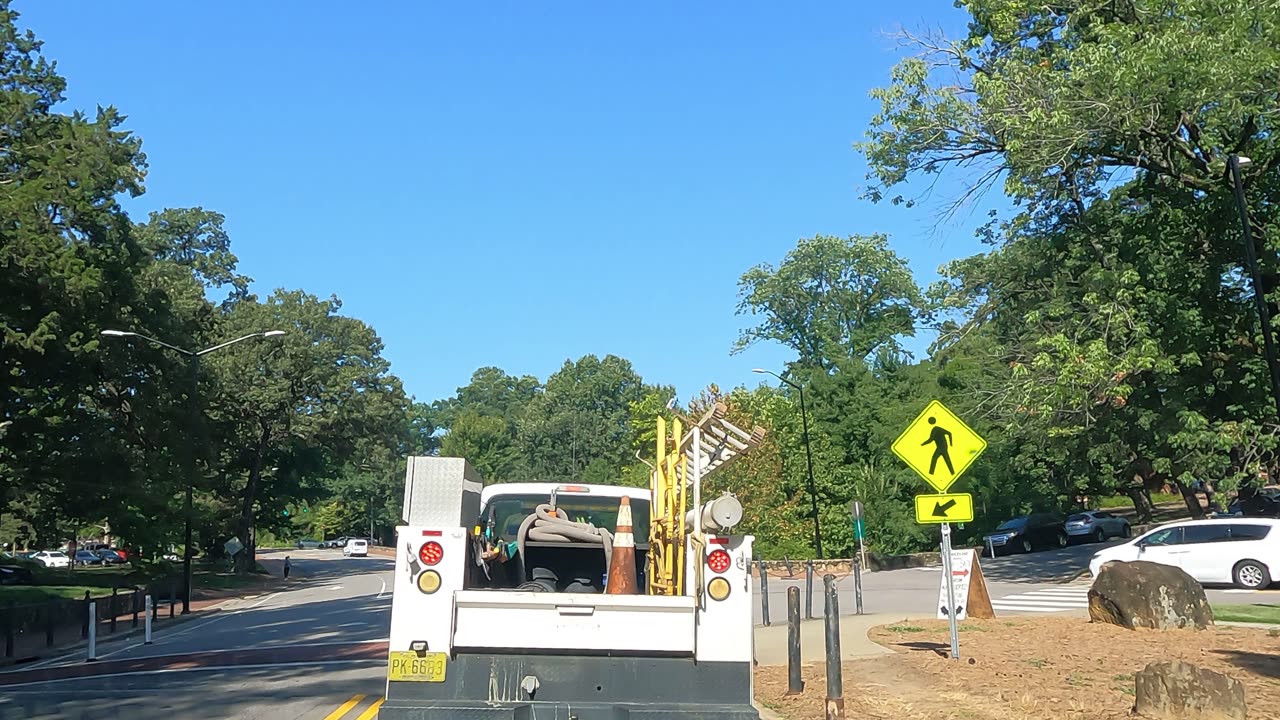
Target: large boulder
x,y
1174,690
1148,595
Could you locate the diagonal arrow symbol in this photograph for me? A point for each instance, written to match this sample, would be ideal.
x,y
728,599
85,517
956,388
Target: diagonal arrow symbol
x,y
940,509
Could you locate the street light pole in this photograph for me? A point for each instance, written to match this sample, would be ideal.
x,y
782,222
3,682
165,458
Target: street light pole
x,y
193,364
1234,162
808,456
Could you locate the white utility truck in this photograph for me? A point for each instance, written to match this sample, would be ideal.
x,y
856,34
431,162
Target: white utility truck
x,y
500,607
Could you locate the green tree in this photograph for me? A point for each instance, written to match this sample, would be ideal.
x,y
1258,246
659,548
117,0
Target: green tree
x,y
290,410
831,299
583,416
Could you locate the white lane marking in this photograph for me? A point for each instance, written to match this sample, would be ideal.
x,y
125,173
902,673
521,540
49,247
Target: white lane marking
x,y
381,591
210,668
1240,591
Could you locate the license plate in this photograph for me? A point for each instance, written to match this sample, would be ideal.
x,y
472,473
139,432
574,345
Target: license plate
x,y
408,666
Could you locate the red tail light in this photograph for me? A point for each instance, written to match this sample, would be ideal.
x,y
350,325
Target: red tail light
x,y
431,553
719,561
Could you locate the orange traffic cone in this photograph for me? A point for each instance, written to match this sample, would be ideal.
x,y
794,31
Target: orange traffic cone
x,y
622,568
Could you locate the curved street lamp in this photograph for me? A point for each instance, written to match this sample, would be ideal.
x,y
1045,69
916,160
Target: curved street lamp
x,y
808,456
193,364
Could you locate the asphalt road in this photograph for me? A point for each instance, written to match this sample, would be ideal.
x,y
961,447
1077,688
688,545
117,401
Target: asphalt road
x,y
1047,582
331,605
314,650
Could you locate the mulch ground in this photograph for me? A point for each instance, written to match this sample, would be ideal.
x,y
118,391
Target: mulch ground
x,y
1025,669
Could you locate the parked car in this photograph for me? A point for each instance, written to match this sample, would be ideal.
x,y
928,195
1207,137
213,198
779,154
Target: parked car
x,y
1244,552
335,543
15,575
52,558
85,557
1028,532
356,547
110,557
1264,503
308,544
1097,526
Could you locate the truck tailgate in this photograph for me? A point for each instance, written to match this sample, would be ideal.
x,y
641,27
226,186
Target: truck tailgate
x,y
573,621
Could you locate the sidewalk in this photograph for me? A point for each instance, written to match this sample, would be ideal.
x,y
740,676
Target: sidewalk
x,y
771,641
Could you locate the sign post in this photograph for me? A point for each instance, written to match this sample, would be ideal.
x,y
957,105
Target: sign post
x,y
860,530
951,591
940,448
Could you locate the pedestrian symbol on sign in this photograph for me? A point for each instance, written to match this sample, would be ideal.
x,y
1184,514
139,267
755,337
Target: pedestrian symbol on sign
x,y
941,438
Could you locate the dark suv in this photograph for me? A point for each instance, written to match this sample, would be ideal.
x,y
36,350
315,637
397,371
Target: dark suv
x,y
1027,533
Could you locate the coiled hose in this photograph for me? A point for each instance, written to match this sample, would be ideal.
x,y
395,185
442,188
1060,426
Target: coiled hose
x,y
548,524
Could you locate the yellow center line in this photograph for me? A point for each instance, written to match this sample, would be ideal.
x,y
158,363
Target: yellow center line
x,y
344,708
371,710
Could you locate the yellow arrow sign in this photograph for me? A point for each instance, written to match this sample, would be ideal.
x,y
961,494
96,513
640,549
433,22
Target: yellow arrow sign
x,y
939,446
953,507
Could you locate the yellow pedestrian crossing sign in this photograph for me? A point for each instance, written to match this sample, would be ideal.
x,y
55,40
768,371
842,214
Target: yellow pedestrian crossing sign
x,y
939,446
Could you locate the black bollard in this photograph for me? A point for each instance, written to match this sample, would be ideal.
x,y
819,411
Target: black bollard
x,y
113,607
835,677
764,593
84,626
795,684
808,590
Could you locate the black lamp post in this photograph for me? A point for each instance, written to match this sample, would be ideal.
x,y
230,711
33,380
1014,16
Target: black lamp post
x,y
808,456
1234,163
193,364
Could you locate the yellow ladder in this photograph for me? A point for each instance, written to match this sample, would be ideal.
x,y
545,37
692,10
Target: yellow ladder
x,y
683,459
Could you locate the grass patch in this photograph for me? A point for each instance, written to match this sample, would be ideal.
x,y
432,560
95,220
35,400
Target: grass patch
x,y
905,628
33,594
1248,613
970,628
1124,501
1037,663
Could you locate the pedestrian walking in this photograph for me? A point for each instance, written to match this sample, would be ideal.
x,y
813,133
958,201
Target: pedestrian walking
x,y
287,566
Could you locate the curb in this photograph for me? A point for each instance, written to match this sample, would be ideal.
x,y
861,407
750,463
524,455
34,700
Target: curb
x,y
765,713
1250,625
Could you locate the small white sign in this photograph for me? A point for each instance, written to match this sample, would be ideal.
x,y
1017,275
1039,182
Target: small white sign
x,y
961,572
233,546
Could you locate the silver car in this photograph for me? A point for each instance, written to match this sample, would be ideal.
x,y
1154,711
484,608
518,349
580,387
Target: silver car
x,y
1097,526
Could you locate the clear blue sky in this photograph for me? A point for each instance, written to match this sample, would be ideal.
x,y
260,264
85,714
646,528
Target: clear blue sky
x,y
511,184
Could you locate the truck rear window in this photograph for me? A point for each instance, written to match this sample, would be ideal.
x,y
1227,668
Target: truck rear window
x,y
508,511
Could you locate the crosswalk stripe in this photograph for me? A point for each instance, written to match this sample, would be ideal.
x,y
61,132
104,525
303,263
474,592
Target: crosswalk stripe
x,y
1024,600
1044,600
1027,607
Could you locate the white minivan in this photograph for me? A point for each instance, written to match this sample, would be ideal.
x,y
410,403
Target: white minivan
x,y
1244,552
356,547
